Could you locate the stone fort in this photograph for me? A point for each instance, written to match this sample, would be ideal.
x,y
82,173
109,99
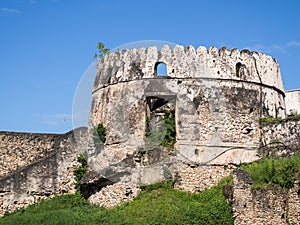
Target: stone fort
x,y
216,97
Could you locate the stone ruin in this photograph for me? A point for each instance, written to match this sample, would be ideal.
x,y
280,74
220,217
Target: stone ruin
x,y
214,99
217,97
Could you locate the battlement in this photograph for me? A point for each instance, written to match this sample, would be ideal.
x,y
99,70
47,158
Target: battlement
x,y
188,62
218,97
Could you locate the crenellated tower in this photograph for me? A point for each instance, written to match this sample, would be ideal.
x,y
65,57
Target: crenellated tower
x,y
217,96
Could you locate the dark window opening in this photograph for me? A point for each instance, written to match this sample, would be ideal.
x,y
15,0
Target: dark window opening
x,y
160,69
160,121
237,69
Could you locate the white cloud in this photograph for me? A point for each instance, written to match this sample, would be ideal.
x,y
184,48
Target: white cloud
x,y
293,43
266,48
50,123
56,119
10,10
61,116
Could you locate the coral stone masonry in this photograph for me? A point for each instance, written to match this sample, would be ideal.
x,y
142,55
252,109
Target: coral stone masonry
x,y
218,96
193,124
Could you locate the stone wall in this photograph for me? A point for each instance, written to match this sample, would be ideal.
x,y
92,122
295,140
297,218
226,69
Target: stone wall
x,y
218,97
195,178
18,150
292,101
47,176
281,137
274,205
188,62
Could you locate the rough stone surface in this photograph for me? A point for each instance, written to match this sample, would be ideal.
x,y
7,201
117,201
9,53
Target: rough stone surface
x,y
21,149
46,177
292,101
115,194
197,178
271,206
281,138
218,95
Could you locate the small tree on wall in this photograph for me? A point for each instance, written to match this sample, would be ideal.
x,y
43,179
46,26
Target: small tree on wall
x,y
102,51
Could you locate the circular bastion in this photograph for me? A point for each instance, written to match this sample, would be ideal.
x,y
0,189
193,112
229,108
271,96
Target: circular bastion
x,y
216,95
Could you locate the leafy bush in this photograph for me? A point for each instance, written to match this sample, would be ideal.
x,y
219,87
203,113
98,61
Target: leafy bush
x,y
102,51
156,204
81,170
276,172
99,134
161,137
170,137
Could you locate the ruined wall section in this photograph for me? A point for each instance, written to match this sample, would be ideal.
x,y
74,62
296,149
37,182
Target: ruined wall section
x,y
281,138
215,124
188,62
292,101
21,149
274,205
219,97
46,177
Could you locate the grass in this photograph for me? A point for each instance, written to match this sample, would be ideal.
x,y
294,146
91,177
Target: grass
x,y
156,204
269,119
282,172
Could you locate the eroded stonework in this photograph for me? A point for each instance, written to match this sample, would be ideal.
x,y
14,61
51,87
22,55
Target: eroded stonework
x,y
218,98
44,169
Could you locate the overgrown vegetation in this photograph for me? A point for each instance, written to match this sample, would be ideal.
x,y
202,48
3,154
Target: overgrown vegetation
x,y
102,51
156,204
81,170
269,119
281,172
99,134
170,137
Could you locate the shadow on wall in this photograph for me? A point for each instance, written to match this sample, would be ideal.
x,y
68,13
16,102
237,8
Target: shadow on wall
x,y
49,175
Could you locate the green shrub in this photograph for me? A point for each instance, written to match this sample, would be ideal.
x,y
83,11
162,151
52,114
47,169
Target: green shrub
x,y
170,137
81,170
275,172
162,137
102,51
99,134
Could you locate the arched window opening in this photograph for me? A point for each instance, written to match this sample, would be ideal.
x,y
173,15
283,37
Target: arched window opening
x,y
237,69
160,69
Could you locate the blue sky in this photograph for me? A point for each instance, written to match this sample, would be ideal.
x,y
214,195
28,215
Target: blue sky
x,y
47,45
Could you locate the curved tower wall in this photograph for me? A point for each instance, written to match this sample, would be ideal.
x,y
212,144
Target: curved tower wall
x,y
218,95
